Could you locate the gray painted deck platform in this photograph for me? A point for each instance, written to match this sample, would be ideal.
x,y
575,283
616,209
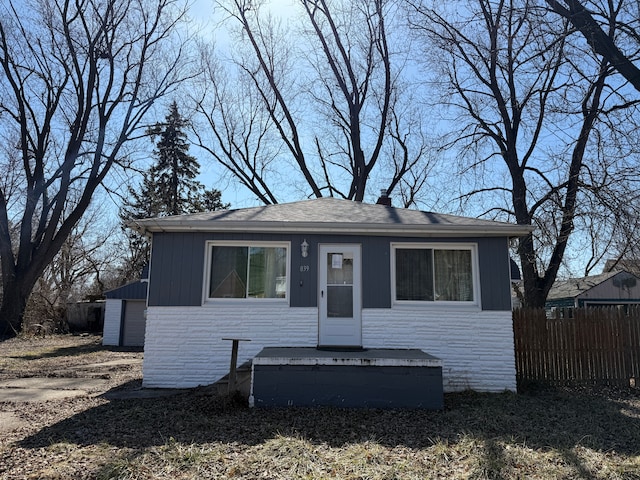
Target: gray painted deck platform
x,y
376,378
365,357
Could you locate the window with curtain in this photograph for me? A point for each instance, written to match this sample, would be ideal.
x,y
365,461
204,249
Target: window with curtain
x,y
248,271
434,274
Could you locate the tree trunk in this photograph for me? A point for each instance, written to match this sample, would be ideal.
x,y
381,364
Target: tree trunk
x,y
14,303
535,291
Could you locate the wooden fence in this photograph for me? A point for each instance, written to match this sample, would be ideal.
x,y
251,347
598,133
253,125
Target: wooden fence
x,y
592,346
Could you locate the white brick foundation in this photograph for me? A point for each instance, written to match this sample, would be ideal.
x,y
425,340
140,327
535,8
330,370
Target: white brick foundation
x,y
184,346
476,347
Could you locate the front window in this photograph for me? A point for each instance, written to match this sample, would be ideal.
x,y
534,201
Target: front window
x,y
434,274
243,271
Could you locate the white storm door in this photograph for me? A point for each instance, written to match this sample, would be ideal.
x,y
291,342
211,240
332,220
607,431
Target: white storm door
x,y
340,296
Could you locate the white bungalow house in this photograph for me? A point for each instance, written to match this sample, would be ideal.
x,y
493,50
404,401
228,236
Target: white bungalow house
x,y
330,274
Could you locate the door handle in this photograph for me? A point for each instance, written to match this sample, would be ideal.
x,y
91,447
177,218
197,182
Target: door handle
x,y
321,293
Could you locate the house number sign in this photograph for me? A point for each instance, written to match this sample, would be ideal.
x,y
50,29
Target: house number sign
x,y
304,268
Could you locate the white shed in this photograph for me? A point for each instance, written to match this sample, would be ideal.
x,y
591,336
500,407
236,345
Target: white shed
x,y
125,312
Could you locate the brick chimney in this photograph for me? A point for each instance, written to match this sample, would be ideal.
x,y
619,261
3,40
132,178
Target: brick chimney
x,y
384,198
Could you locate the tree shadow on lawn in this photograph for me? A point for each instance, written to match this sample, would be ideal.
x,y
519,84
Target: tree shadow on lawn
x,y
557,420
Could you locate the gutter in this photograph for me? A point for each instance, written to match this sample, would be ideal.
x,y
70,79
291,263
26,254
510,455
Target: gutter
x,y
497,230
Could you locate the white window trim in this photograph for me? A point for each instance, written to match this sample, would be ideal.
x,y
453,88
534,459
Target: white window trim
x,y
475,273
206,300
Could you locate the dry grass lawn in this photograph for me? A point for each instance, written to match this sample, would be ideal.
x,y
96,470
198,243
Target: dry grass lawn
x,y
568,434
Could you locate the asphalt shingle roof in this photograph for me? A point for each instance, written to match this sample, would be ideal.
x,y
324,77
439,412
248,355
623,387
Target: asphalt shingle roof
x,y
572,287
329,214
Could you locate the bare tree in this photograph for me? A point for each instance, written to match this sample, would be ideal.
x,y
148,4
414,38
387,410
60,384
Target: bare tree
x,y
78,79
72,272
593,20
620,47
235,129
319,110
613,226
520,98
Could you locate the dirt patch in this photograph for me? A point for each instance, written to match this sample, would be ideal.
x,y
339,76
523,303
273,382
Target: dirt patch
x,y
56,378
9,422
31,395
68,357
61,367
56,383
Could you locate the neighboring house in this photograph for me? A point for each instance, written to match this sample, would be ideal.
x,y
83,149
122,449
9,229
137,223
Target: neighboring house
x,y
605,290
628,265
124,319
330,273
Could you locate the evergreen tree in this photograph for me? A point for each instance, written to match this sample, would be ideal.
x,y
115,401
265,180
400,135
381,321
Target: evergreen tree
x,y
169,187
175,170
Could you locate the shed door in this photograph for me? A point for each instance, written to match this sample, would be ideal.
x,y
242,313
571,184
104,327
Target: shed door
x,y
134,323
340,301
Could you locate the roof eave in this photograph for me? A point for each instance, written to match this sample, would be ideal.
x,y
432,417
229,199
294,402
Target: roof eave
x,y
506,230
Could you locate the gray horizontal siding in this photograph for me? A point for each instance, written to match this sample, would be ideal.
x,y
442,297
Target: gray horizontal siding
x,y
495,273
177,267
